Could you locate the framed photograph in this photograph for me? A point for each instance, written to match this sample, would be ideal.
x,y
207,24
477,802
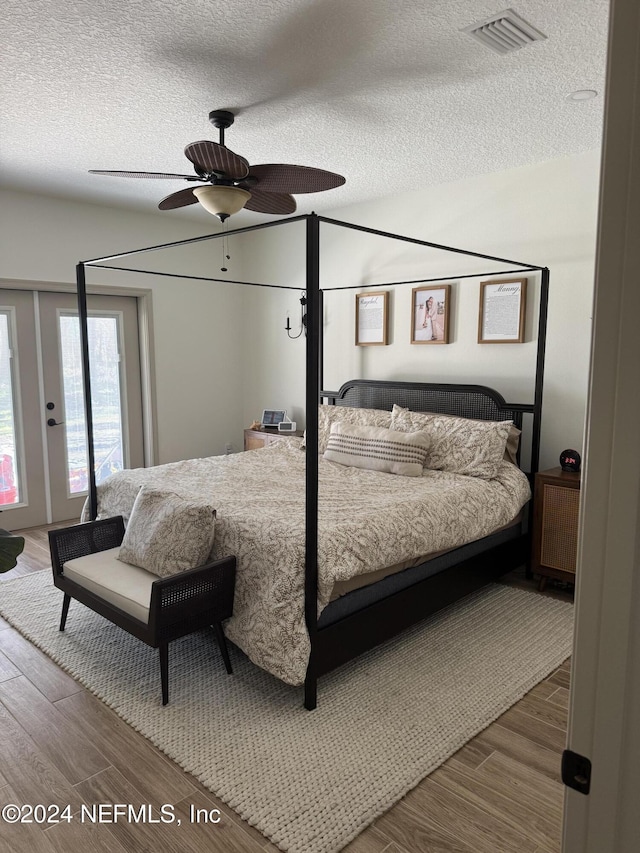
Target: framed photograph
x,y
430,314
372,318
502,310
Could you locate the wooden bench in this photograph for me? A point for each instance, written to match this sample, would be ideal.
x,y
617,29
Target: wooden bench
x,y
153,609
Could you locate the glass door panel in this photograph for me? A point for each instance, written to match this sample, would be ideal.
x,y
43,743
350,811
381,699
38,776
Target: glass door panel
x,y
23,486
107,396
9,462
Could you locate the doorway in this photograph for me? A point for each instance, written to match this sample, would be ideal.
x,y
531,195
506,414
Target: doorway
x,y
43,446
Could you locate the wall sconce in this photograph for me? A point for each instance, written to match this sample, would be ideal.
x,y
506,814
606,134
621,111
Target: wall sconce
x,y
303,320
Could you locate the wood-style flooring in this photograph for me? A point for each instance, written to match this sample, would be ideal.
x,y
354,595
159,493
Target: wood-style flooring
x,y
501,793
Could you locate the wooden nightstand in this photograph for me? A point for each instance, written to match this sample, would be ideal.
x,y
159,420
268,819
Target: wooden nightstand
x,y
555,525
257,438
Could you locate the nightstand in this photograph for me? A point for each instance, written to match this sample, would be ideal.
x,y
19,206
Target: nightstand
x,y
556,505
254,439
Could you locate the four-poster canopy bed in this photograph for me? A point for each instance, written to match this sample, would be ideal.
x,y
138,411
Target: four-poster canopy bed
x,y
363,617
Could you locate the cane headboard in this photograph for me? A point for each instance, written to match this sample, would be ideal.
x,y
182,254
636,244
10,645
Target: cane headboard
x,y
466,401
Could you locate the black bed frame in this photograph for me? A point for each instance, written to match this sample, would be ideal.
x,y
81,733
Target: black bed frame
x,y
344,639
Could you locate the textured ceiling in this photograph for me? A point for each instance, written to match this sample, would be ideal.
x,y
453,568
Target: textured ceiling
x,y
389,93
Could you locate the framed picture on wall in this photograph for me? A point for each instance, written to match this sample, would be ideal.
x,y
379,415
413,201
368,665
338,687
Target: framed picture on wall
x,y
372,318
430,314
502,311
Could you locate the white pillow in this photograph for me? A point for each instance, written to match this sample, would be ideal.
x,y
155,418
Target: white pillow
x,y
457,445
167,533
377,449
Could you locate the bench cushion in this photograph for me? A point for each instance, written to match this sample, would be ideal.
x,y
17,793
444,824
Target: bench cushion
x,y
125,586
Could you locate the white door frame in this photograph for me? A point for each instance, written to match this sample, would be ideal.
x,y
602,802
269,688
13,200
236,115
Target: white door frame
x,y
605,692
145,334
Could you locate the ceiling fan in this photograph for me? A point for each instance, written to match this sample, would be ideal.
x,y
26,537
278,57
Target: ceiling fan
x,y
227,183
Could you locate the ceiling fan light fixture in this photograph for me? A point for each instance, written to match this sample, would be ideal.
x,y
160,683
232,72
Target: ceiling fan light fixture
x,y
222,201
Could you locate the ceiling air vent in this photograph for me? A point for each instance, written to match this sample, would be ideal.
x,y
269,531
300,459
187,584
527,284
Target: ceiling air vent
x,y
504,32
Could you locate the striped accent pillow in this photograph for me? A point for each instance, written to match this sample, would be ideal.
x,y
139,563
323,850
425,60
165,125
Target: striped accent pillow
x,y
377,449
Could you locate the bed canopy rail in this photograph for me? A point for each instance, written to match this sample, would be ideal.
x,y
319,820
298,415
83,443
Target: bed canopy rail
x,y
314,376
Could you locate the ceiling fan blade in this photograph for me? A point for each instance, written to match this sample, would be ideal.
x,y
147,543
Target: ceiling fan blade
x,y
144,175
282,178
211,157
271,202
179,199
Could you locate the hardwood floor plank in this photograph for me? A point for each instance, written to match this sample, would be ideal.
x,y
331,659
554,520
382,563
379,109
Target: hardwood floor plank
x,y
492,789
3,624
21,837
82,836
38,668
560,697
110,786
65,747
522,749
543,710
561,677
522,783
7,669
29,772
369,841
157,778
413,830
472,754
534,729
543,690
482,832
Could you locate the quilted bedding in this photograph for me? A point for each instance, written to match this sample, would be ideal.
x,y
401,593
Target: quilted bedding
x,y
367,520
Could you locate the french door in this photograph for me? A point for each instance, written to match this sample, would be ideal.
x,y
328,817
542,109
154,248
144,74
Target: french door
x,y
43,445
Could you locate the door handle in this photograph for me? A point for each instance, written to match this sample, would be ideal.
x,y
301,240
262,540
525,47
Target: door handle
x,y
54,422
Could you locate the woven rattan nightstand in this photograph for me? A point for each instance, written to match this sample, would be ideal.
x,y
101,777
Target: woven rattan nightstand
x,y
555,525
257,438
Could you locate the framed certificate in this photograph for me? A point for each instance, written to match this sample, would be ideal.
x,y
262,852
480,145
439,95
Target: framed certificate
x,y
502,311
372,318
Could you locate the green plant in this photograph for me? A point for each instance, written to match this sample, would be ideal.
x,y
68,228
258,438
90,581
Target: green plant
x,y
11,546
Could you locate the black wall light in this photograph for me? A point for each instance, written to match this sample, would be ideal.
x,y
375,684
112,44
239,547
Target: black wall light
x,y
303,320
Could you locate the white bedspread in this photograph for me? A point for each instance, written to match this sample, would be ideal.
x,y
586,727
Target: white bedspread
x,y
367,520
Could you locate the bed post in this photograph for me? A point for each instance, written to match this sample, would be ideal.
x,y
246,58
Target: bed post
x,y
311,493
542,340
537,402
86,381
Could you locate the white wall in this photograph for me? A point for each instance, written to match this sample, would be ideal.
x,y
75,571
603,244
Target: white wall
x,y
543,214
221,352
198,352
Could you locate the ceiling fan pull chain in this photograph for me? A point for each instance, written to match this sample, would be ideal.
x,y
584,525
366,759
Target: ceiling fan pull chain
x,y
225,247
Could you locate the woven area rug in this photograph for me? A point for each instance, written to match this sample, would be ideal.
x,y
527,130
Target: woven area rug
x,y
311,781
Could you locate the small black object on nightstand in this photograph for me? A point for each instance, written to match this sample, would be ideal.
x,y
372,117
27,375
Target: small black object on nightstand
x,y
570,460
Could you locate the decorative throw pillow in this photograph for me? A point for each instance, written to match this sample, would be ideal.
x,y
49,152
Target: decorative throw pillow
x,y
328,415
513,439
377,449
167,533
458,445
